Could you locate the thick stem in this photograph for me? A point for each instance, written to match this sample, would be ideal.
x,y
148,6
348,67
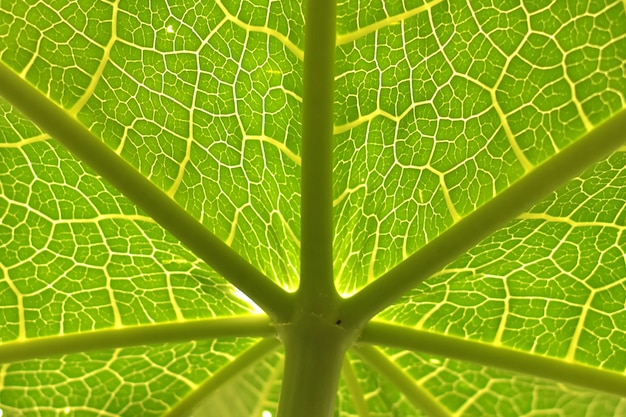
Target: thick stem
x,y
314,352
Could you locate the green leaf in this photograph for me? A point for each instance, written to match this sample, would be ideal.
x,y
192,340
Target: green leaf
x,y
399,208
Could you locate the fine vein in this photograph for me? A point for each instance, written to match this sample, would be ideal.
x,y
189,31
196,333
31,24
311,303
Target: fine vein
x,y
55,121
504,207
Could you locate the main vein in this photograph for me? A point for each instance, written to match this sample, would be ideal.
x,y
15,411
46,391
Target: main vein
x,y
235,368
317,290
114,338
404,382
490,355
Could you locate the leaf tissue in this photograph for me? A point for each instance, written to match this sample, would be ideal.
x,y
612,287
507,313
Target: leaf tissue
x,y
323,208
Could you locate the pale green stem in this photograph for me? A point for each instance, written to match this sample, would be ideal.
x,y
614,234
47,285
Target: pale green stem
x,y
356,393
113,338
469,231
314,353
496,356
317,290
223,376
55,121
405,383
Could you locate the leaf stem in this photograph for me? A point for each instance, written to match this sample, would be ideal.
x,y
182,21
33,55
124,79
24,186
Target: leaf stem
x,y
504,207
495,356
408,386
221,377
314,352
55,121
113,338
317,289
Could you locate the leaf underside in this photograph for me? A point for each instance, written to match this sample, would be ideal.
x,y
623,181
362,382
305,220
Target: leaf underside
x,y
439,108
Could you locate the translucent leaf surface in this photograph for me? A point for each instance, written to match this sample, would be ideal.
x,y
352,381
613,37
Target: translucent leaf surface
x,y
133,381
552,282
439,111
202,98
